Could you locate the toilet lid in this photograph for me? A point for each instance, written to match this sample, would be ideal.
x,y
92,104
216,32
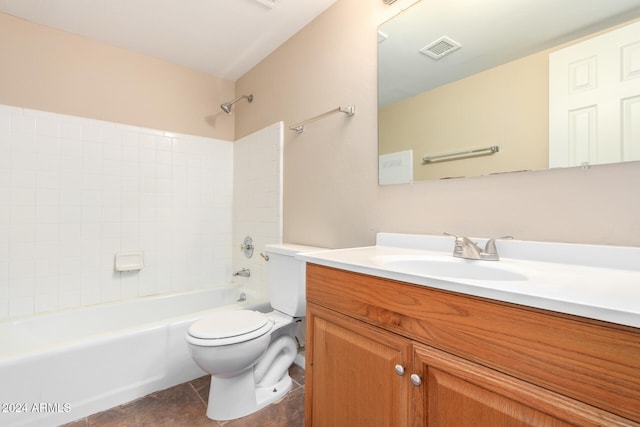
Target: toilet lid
x,y
227,324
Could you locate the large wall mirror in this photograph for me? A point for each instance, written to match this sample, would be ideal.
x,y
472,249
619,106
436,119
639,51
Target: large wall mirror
x,y
468,88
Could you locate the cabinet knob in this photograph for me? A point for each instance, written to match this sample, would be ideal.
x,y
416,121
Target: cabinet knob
x,y
416,380
399,370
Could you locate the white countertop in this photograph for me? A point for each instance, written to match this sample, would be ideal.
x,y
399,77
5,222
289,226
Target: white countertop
x,y
597,282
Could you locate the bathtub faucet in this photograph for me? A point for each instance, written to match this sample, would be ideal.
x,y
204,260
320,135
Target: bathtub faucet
x,y
245,272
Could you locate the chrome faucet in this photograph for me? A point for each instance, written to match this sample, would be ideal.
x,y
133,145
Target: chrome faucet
x,y
245,272
467,249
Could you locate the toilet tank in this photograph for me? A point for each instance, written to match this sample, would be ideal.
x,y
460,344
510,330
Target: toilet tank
x,y
286,278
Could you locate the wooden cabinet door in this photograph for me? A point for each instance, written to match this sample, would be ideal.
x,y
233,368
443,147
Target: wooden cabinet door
x,y
350,373
459,393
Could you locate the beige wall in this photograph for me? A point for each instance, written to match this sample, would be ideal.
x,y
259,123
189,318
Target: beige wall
x,y
331,194
45,69
506,106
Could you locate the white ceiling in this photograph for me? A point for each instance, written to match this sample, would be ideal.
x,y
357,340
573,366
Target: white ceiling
x,y
491,32
225,38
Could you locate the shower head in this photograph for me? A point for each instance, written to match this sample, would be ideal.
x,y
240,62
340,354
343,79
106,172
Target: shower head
x,y
226,107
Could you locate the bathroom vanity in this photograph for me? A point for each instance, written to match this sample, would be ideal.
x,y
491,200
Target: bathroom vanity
x,y
388,352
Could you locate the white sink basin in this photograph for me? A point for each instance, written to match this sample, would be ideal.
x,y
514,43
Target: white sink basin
x,y
597,282
454,268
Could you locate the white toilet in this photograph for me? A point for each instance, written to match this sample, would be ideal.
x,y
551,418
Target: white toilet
x,y
248,353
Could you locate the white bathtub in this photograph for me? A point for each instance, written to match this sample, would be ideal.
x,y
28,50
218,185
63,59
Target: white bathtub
x,y
56,368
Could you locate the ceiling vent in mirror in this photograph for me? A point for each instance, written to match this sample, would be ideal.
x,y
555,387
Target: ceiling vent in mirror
x,y
441,47
388,1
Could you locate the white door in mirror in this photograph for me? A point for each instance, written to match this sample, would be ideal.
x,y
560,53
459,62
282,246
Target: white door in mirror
x,y
594,100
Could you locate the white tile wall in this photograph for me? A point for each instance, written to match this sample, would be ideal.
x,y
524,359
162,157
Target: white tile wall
x,y
74,191
257,203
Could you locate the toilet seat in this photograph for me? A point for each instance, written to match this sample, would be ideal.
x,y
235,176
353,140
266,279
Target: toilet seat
x,y
229,327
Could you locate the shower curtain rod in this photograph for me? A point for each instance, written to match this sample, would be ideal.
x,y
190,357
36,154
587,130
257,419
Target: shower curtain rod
x,y
349,110
475,152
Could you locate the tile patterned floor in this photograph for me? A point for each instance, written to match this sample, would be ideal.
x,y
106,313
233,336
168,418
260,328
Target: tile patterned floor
x,y
185,405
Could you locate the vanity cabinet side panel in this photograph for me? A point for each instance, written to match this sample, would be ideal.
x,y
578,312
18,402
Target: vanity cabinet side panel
x,y
354,365
591,361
